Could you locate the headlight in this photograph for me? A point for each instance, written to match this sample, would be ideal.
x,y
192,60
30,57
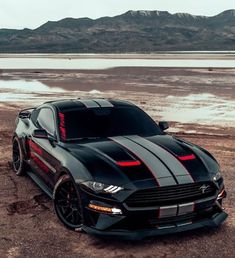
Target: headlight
x,y
96,186
100,187
217,176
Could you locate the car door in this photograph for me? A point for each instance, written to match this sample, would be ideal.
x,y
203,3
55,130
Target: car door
x,y
41,160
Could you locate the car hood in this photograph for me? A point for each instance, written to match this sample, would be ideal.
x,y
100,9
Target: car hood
x,y
162,159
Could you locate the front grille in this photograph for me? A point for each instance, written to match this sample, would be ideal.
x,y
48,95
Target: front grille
x,y
173,220
169,195
149,220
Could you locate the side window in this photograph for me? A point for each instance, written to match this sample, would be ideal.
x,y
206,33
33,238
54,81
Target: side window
x,y
46,120
34,115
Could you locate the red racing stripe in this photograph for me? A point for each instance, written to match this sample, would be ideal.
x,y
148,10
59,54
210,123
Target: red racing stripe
x,y
187,157
120,143
39,163
62,126
35,147
128,163
175,166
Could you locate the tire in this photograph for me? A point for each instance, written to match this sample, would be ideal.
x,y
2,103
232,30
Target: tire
x,y
67,203
18,163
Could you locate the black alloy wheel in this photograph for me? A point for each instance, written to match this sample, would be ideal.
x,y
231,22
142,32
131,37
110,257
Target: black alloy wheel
x,y
17,158
67,203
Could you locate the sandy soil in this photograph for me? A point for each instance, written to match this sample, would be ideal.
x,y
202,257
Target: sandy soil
x,y
28,226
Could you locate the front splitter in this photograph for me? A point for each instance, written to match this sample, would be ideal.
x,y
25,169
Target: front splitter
x,y
216,220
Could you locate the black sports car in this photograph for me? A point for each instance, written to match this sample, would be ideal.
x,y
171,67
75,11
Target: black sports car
x,y
111,170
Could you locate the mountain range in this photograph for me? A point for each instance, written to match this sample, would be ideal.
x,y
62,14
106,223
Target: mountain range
x,y
133,31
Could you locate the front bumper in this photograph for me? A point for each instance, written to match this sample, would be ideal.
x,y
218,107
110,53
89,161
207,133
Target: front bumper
x,y
140,222
212,222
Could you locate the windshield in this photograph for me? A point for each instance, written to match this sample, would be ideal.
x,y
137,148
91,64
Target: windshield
x,y
106,122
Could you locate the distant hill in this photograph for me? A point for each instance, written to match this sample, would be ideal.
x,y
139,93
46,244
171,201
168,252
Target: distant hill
x,y
133,31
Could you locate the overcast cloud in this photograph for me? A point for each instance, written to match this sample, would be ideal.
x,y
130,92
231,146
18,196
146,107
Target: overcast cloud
x,y
33,13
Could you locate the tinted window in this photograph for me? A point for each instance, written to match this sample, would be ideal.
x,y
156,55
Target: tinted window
x,y
34,115
46,120
105,122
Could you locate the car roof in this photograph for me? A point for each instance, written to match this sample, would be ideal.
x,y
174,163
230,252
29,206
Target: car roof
x,y
66,104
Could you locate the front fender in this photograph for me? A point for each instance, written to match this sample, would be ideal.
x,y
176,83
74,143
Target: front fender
x,y
71,166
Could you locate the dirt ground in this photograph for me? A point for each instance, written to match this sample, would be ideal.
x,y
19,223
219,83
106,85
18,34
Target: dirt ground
x,y
29,228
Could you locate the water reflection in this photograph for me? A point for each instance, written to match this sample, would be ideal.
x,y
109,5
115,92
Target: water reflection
x,y
105,63
22,90
200,108
10,96
29,86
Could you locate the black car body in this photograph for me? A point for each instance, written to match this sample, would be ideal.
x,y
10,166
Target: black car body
x,y
111,170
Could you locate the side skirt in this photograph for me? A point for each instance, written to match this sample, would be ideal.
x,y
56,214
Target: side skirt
x,y
41,184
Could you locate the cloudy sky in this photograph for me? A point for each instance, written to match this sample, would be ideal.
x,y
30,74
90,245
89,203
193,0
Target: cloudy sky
x,y
33,13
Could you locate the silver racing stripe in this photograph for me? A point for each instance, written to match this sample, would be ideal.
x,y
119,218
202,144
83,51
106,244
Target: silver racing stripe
x,y
176,210
149,156
186,208
168,211
156,167
89,103
103,102
175,166
165,227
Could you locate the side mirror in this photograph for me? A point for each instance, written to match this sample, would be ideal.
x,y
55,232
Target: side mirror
x,y
163,125
40,133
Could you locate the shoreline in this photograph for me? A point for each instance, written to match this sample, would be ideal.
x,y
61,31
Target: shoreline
x,y
200,55
41,70
110,61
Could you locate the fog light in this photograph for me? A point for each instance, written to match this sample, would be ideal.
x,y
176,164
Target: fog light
x,y
100,208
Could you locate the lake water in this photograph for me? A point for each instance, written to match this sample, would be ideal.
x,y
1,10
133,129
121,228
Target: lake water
x,y
22,91
92,61
202,108
199,108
